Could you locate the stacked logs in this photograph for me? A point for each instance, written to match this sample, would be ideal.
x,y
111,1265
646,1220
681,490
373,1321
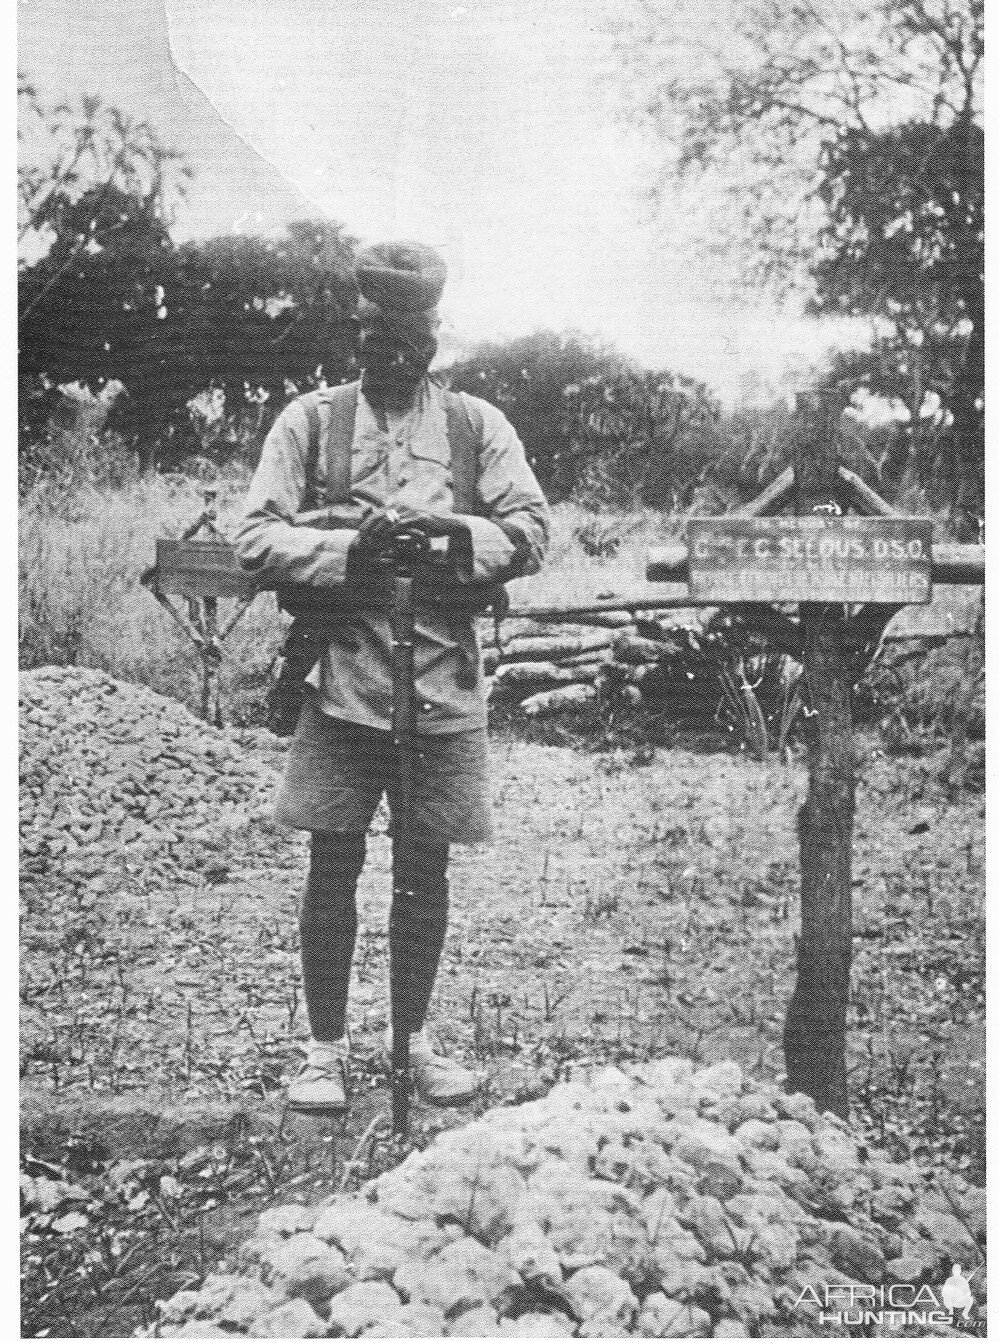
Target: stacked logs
x,y
546,667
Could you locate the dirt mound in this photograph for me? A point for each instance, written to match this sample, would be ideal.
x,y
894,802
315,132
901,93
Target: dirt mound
x,y
112,773
661,1201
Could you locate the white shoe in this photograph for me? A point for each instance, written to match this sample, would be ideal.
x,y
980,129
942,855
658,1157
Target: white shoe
x,y
321,1084
436,1079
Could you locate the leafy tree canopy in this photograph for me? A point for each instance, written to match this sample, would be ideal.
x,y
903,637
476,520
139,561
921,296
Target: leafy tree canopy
x,y
739,101
836,147
593,423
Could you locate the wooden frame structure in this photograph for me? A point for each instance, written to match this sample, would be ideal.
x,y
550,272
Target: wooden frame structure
x,y
836,640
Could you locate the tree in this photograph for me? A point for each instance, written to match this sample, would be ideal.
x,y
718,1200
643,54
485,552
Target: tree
x,y
595,425
96,193
267,316
95,312
738,101
814,140
650,437
66,151
527,378
905,241
105,296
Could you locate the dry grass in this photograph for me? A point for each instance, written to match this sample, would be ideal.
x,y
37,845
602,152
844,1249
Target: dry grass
x,y
83,551
82,554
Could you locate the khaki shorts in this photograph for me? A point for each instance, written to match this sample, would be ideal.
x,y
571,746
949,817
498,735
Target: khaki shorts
x,y
338,771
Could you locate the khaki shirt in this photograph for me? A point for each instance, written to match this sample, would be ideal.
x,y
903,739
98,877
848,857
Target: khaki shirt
x,y
406,466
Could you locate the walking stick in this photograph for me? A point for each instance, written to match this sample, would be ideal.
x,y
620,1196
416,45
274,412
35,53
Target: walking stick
x,y
411,549
402,735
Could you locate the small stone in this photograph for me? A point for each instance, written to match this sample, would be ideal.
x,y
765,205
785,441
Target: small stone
x,y
837,1151
529,1253
284,1220
751,1301
774,1244
581,1237
294,1319
346,1223
215,1293
482,1198
463,1274
890,1205
856,1254
723,1079
256,1252
794,1137
410,1320
907,1269
178,1307
538,1324
752,1132
305,1266
665,1317
771,1166
730,1328
753,1106
614,1162
705,1144
658,1210
799,1108
599,1296
246,1304
945,1231
481,1321
375,1242
706,1217
359,1306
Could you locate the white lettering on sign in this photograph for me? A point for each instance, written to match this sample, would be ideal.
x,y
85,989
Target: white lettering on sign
x,y
811,559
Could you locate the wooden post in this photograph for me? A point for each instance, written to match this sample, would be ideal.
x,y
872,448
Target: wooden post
x,y
815,1029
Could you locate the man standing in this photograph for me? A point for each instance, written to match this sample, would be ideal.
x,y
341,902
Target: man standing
x,y
393,450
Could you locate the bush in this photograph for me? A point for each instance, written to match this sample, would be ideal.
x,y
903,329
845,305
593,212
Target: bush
x,y
920,693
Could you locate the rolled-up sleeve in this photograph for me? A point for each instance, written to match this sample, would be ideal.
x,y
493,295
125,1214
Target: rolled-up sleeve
x,y
511,538
266,540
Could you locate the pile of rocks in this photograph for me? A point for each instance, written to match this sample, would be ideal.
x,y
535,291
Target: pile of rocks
x,y
113,772
661,1202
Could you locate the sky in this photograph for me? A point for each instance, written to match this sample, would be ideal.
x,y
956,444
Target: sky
x,y
484,127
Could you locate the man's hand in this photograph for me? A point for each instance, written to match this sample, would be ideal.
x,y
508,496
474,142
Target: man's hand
x,y
371,549
460,558
378,539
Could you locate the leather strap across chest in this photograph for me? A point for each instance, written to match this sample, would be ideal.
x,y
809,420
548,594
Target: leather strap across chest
x,y
464,433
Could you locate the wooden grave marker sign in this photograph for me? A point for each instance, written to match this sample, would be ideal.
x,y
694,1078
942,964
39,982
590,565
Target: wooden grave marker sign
x,y
202,568
849,575
874,560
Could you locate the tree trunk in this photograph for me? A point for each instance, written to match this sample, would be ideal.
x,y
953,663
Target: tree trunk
x,y
815,1029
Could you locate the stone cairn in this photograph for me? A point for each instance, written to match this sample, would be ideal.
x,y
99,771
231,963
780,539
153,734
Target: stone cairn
x,y
657,1201
660,1200
112,774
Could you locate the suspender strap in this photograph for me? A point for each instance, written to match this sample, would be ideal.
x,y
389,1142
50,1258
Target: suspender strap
x,y
309,502
341,410
342,402
464,434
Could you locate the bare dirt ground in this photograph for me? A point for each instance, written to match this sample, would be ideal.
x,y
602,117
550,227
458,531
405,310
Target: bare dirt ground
x,y
636,904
